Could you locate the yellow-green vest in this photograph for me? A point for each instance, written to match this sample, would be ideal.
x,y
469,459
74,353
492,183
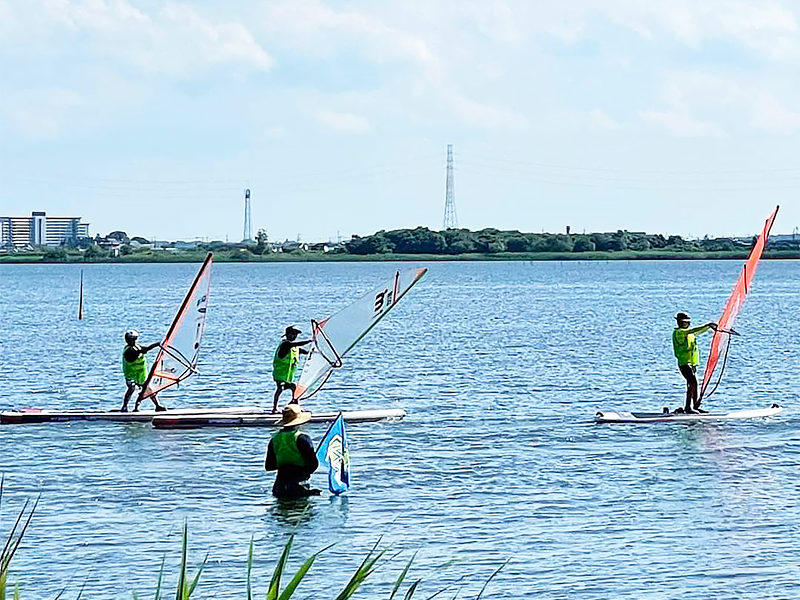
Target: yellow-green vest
x,y
283,369
136,370
685,348
284,443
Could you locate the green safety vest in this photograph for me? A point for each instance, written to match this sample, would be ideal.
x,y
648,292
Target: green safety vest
x,y
136,370
284,443
283,369
685,347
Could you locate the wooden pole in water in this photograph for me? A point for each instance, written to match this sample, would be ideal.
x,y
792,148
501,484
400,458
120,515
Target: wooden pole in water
x,y
80,299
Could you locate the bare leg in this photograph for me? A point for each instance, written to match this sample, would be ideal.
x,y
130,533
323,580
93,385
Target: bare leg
x,y
128,394
158,406
276,397
293,387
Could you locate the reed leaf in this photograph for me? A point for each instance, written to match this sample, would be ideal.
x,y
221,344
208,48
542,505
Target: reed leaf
x,y
402,576
182,575
275,583
249,569
364,570
412,589
492,576
160,577
301,572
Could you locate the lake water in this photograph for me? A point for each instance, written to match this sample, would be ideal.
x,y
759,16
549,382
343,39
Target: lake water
x,y
501,367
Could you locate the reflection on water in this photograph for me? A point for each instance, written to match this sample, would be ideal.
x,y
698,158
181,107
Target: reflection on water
x,y
500,367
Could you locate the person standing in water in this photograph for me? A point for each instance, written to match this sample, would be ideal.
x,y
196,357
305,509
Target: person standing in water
x,y
291,453
134,367
284,363
684,344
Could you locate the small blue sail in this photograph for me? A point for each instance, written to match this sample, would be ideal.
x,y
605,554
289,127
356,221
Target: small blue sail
x,y
334,453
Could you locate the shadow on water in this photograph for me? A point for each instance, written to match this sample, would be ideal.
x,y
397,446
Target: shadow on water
x,y
299,512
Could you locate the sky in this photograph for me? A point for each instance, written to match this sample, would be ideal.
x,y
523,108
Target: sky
x,y
676,117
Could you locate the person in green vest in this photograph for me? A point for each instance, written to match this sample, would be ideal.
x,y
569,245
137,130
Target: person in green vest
x,y
291,453
284,363
684,344
134,367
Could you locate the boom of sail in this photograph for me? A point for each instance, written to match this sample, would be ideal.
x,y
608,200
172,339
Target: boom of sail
x,y
722,337
335,336
177,357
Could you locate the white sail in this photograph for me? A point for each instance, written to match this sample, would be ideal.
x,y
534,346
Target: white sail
x,y
177,357
335,336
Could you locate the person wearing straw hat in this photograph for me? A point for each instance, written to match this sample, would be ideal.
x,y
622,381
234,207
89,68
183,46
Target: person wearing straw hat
x,y
284,363
291,453
684,345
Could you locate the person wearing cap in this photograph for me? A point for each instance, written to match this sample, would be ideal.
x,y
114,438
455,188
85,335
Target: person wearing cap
x,y
684,344
134,368
291,453
284,363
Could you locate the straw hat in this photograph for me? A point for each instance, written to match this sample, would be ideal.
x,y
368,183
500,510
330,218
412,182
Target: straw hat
x,y
294,415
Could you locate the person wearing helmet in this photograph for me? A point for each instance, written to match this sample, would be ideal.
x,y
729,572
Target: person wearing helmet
x,y
684,345
134,367
284,363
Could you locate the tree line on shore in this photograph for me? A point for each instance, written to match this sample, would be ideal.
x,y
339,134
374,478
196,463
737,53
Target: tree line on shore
x,y
493,241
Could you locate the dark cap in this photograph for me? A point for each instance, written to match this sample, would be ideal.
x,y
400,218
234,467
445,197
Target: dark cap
x,y
292,329
682,317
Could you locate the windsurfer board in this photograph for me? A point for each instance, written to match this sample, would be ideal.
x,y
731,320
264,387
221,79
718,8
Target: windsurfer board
x,y
680,417
38,415
170,421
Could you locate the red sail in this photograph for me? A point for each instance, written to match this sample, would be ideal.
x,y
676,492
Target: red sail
x,y
725,324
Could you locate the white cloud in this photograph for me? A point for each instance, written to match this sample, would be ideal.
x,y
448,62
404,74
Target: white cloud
x,y
485,116
310,26
682,124
42,115
174,39
342,122
771,116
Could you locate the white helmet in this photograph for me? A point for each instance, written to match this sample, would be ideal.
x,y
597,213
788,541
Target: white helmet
x,y
131,335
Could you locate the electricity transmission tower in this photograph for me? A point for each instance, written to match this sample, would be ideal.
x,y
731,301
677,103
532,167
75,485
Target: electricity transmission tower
x,y
450,218
248,230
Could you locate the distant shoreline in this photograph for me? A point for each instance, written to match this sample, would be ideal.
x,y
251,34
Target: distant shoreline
x,y
227,256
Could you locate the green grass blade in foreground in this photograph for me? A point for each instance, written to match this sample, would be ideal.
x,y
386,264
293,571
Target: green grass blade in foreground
x,y
301,572
363,571
249,569
412,589
182,575
11,547
492,576
402,576
160,577
275,583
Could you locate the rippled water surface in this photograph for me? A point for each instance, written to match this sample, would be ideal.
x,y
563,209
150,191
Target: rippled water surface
x,y
501,367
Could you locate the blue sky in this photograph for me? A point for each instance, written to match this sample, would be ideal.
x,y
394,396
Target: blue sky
x,y
678,117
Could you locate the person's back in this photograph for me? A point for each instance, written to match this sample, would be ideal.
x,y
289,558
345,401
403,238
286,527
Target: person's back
x,y
291,453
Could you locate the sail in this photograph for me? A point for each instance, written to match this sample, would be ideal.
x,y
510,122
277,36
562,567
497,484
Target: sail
x,y
335,336
333,453
177,357
722,337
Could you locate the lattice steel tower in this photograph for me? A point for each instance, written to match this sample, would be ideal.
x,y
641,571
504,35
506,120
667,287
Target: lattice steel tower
x,y
248,230
450,218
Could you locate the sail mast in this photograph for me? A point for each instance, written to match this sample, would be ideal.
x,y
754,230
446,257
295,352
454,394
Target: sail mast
x,y
722,336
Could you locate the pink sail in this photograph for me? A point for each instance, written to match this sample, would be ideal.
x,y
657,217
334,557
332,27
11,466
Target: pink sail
x,y
734,304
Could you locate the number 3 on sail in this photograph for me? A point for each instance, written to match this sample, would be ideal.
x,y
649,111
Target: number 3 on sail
x,y
335,336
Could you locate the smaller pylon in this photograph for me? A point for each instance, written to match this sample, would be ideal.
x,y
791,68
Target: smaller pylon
x,y
247,235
